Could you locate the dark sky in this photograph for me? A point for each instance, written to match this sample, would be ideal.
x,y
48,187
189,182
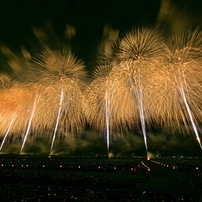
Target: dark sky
x,y
17,19
87,19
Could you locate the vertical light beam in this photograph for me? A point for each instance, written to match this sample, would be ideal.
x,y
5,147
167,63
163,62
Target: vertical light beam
x,y
142,118
58,117
140,103
190,115
107,121
30,121
11,123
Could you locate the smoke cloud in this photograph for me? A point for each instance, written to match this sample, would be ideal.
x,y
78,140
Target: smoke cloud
x,y
109,36
177,16
91,144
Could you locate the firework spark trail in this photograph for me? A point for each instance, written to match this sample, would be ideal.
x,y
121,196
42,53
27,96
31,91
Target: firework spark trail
x,y
54,69
30,121
190,115
58,117
141,110
107,121
142,118
139,51
177,72
8,130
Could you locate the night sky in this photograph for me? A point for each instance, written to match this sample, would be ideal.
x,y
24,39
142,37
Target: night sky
x,y
84,26
88,19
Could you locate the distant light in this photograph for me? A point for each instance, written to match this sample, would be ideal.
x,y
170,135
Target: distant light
x,y
60,166
196,168
131,169
27,165
2,165
21,165
44,166
173,167
114,168
98,167
12,165
79,166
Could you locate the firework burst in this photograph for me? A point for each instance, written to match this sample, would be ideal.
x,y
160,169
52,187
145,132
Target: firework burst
x,y
124,82
66,75
174,88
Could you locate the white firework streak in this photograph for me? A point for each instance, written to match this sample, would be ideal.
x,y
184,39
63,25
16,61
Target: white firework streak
x,y
190,115
30,121
8,130
107,121
58,117
140,103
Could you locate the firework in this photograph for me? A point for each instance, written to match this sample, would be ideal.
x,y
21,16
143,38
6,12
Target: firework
x,y
6,81
30,122
15,105
120,88
138,52
174,89
7,132
64,73
145,82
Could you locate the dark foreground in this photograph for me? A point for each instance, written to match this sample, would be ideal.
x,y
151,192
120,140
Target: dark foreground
x,y
29,178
